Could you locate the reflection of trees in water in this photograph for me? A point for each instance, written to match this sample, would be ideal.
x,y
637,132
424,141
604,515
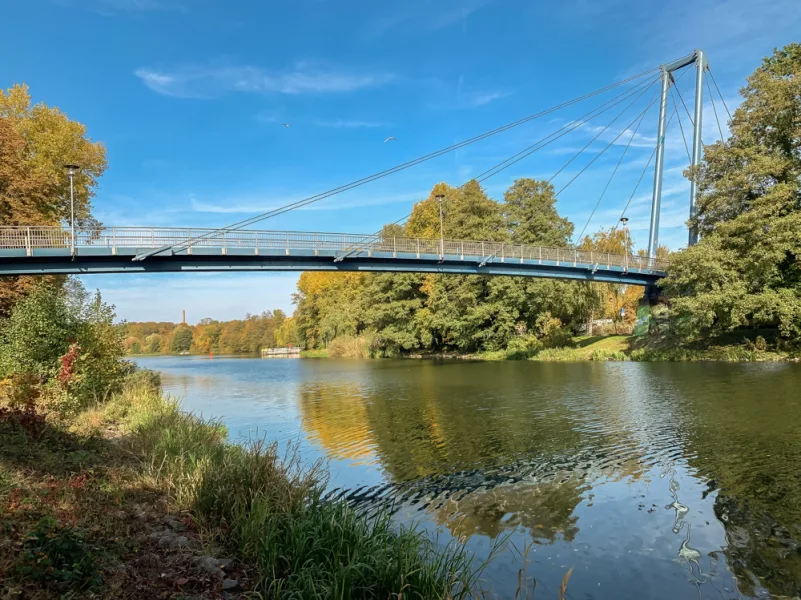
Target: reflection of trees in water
x,y
336,418
481,455
759,545
745,441
544,509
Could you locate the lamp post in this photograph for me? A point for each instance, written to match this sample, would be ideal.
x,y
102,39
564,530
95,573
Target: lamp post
x,y
625,220
440,198
71,172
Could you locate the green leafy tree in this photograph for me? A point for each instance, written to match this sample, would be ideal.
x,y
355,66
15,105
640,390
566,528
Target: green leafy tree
x,y
746,271
181,340
531,216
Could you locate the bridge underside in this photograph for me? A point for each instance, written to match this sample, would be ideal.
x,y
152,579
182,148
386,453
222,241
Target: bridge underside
x,y
118,261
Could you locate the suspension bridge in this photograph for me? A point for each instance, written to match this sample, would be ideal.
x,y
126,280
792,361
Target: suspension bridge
x,y
36,250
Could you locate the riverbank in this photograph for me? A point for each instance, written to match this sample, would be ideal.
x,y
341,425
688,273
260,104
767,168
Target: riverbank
x,y
615,348
136,499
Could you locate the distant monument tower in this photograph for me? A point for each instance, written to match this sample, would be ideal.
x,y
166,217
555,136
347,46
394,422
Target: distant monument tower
x,y
183,317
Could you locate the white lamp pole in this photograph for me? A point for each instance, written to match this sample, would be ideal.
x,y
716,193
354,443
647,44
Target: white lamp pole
x,y
440,198
625,220
71,171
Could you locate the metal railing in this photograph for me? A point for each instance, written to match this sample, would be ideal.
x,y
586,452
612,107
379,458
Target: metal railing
x,y
143,238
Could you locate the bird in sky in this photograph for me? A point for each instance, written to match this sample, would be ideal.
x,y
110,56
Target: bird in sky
x,y
389,139
287,124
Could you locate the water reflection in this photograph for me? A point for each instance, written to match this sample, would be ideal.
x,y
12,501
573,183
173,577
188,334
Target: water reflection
x,y
664,481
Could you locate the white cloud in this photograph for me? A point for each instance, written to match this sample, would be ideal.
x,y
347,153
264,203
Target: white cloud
x,y
207,81
424,16
255,205
348,124
476,99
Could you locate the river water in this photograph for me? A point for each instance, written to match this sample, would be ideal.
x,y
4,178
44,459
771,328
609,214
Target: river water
x,y
660,480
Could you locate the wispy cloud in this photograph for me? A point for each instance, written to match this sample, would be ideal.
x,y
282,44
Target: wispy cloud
x,y
424,16
208,81
260,204
476,99
348,124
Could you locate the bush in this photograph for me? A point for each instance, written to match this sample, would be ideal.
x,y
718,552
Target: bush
x,y
521,348
552,333
65,342
59,555
605,354
348,346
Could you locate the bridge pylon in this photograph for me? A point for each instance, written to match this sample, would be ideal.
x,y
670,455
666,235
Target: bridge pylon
x,y
699,59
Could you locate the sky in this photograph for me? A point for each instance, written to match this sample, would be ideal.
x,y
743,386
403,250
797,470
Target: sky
x,y
190,98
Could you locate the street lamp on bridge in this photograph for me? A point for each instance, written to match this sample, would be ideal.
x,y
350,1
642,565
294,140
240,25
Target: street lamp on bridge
x,y
72,170
625,220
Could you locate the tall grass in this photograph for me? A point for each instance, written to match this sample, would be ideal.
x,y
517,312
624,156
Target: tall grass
x,y
348,346
267,508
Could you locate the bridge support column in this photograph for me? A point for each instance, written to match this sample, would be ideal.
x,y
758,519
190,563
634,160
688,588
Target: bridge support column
x,y
649,311
653,234
700,67
699,59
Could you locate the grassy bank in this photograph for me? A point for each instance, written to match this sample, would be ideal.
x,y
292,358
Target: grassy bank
x,y
136,499
616,348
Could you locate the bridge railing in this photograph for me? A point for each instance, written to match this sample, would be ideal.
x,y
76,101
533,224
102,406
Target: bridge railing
x,y
344,244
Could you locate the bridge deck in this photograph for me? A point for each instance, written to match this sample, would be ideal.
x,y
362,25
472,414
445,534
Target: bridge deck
x,y
48,250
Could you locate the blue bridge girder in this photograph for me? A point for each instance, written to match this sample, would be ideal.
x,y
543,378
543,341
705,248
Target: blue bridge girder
x,y
47,251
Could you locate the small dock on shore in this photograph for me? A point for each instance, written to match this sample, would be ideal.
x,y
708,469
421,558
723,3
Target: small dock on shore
x,y
280,352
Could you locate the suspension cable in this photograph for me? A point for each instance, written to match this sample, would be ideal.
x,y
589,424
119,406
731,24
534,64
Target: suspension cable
x,y
609,145
681,127
562,131
614,172
709,70
542,142
592,141
684,104
715,110
386,172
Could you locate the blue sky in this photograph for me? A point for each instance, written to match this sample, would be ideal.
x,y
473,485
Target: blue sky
x,y
189,97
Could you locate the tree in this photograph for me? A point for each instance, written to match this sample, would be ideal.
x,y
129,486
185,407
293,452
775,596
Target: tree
x,y
35,142
181,340
52,140
531,216
287,334
746,271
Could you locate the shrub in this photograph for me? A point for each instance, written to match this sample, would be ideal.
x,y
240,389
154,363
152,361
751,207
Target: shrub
x,y
605,354
552,333
348,346
521,348
65,341
59,555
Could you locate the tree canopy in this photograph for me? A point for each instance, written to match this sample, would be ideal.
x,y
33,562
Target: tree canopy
x,y
745,272
36,141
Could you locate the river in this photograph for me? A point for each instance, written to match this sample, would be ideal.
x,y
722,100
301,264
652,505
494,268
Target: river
x,y
649,480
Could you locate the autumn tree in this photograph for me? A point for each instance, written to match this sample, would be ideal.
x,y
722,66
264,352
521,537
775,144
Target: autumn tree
x,y
35,143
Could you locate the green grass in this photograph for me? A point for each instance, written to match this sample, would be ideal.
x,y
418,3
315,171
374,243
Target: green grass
x,y
318,353
263,507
